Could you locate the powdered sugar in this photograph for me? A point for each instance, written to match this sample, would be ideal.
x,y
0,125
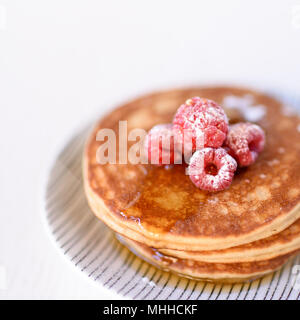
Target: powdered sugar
x,y
213,200
288,111
224,163
204,119
246,106
273,162
159,145
244,142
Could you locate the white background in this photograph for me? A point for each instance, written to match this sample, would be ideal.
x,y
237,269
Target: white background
x,y
62,62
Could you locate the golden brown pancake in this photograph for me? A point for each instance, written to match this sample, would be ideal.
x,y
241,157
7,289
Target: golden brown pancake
x,y
221,272
282,243
160,207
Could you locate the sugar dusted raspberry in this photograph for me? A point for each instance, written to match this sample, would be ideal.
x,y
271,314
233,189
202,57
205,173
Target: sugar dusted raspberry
x,y
244,142
159,145
212,169
203,122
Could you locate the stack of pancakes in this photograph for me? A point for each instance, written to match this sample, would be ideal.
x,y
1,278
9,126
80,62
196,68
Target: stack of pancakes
x,y
248,230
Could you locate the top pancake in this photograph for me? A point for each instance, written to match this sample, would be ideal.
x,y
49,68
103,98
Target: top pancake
x,y
159,206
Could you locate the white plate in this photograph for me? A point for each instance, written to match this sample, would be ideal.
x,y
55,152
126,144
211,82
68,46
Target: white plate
x,y
92,248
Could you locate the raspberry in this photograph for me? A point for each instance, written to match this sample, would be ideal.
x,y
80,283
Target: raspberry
x,y
244,142
159,145
212,169
201,121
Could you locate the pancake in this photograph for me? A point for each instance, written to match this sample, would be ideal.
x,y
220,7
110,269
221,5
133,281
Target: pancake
x,y
161,208
220,272
278,244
